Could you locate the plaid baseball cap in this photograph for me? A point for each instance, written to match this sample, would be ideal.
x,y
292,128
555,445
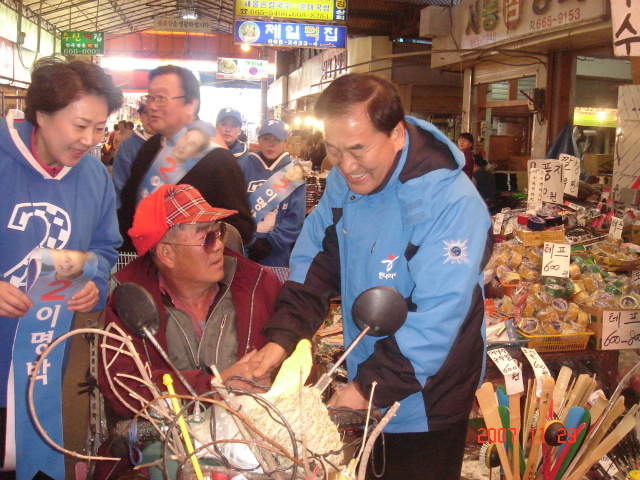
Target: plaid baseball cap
x,y
275,127
229,113
168,206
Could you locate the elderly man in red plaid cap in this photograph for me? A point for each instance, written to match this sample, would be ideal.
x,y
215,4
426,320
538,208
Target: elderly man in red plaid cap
x,y
213,301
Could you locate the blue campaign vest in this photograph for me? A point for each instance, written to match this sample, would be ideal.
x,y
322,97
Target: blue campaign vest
x,y
46,321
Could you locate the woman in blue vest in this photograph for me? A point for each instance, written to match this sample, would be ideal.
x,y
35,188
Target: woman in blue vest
x,y
276,190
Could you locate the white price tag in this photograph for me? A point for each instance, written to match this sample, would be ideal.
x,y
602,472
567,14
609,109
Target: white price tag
x,y
615,230
556,258
510,226
539,367
620,329
635,277
570,173
497,223
509,368
553,187
535,190
608,466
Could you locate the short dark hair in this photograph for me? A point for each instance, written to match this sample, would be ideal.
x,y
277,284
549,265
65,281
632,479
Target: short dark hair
x,y
467,136
188,82
56,83
123,123
130,125
380,97
206,137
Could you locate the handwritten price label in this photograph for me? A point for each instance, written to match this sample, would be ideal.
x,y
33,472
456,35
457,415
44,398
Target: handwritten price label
x,y
620,329
538,365
497,223
509,368
510,225
552,187
556,258
635,277
536,188
615,230
570,173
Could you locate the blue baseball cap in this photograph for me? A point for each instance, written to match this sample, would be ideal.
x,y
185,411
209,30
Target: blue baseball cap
x,y
229,112
275,127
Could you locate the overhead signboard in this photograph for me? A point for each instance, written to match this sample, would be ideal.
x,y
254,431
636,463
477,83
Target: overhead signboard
x,y
595,117
329,10
625,20
177,24
491,22
82,43
242,69
290,34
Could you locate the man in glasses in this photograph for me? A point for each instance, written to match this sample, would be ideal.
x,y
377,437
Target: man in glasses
x,y
173,104
213,301
397,212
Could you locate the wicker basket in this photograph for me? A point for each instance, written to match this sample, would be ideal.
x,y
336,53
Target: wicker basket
x,y
558,343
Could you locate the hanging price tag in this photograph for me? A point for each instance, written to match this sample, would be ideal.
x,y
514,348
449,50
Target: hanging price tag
x,y
615,230
497,223
510,225
556,258
635,277
538,365
535,191
608,466
510,370
570,173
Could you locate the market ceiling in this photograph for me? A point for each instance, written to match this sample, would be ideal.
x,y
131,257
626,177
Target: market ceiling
x,y
393,18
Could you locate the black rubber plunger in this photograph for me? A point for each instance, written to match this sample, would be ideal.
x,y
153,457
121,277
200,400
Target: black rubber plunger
x,y
378,311
138,311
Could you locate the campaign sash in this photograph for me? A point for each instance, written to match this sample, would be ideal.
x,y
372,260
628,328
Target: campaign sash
x,y
274,190
178,157
50,284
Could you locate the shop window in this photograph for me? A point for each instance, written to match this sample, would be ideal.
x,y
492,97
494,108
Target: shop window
x,y
525,84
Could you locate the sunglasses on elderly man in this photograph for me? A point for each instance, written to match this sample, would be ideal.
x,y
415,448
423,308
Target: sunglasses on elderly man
x,y
219,232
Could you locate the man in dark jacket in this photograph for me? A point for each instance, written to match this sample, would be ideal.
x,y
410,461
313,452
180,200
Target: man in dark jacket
x,y
212,301
173,103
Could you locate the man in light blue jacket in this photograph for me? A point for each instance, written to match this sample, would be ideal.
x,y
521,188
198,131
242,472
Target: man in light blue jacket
x,y
397,212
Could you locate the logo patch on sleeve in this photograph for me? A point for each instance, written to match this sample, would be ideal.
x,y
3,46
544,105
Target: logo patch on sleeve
x,y
456,251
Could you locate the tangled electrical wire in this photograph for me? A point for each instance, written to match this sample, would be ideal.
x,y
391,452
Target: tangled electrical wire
x,y
218,449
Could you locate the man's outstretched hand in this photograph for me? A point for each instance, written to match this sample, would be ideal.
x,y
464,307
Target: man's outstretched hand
x,y
268,358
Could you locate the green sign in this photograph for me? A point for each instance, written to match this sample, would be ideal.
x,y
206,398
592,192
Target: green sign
x,y
82,43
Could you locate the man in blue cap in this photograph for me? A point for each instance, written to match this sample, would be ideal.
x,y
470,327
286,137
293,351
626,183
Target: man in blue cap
x,y
229,125
277,195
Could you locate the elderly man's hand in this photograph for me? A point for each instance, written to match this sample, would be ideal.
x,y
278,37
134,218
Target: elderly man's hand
x,y
84,300
14,303
243,368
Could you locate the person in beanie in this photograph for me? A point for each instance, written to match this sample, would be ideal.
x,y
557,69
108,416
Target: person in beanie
x,y
277,195
229,125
